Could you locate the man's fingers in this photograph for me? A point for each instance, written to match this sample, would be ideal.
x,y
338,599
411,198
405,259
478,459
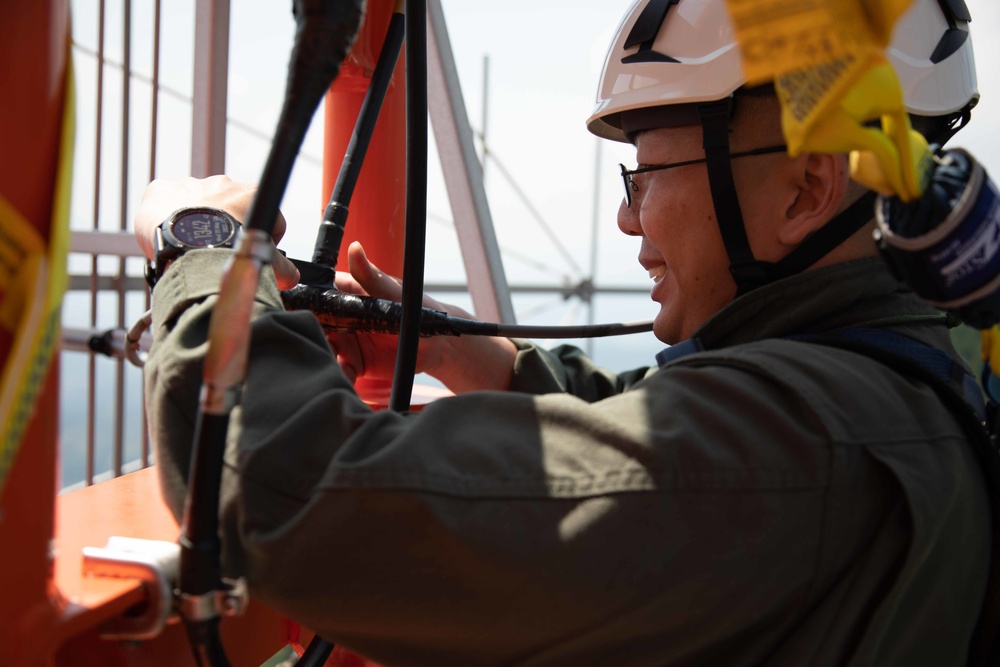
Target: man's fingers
x,y
279,228
285,272
371,279
349,371
348,354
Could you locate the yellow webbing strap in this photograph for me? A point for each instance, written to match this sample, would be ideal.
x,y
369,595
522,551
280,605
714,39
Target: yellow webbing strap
x,y
826,58
827,63
32,283
991,348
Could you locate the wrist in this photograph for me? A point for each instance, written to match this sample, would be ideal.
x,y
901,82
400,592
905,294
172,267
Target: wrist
x,y
476,363
188,229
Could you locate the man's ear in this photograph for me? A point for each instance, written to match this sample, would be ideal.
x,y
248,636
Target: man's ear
x,y
820,181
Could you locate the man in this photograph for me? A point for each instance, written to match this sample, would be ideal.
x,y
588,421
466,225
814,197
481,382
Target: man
x,y
758,499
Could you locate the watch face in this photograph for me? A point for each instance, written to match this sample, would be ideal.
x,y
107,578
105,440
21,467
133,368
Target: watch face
x,y
201,229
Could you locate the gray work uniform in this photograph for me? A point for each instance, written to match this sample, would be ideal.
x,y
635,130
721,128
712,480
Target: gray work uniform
x,y
766,502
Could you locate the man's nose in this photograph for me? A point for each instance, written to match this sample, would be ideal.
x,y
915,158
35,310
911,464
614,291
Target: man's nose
x,y
628,219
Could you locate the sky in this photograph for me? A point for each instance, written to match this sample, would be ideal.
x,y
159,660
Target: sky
x,y
544,60
540,93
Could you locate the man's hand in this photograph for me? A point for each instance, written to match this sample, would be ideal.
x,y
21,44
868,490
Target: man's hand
x,y
463,363
163,197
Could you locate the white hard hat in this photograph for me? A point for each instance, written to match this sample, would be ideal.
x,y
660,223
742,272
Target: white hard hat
x,y
931,51
671,52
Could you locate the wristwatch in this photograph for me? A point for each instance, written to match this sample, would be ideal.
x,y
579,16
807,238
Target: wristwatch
x,y
187,229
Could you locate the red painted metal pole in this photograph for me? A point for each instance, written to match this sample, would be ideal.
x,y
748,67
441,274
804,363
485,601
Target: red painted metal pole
x,y
34,40
377,209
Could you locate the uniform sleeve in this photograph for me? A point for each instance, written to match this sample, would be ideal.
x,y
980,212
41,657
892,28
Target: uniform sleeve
x,y
498,528
567,369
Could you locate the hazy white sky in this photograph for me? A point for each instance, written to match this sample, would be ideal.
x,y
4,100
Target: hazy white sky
x,y
544,57
544,60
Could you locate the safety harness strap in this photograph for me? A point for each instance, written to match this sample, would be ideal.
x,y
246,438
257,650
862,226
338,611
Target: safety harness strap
x,y
959,392
828,237
748,272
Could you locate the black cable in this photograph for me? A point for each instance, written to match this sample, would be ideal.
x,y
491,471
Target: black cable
x,y
331,230
206,643
200,568
324,33
416,205
580,331
316,654
323,37
199,539
354,313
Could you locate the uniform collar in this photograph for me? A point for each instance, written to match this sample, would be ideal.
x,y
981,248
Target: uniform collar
x,y
857,293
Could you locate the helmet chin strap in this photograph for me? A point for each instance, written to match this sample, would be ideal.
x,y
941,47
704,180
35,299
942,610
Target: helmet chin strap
x,y
748,272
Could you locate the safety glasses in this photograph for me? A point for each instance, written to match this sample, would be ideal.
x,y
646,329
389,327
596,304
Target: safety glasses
x,y
631,186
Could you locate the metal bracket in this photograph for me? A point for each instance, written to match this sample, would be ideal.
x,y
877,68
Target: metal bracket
x,y
156,564
230,601
153,562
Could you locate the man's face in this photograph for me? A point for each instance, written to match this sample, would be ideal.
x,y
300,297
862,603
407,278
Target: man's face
x,y
673,214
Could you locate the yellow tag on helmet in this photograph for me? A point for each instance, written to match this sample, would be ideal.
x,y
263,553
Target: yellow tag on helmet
x,y
826,109
832,79
781,36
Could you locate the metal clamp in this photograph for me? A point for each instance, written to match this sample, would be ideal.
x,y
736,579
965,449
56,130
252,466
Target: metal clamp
x,y
133,339
255,244
132,344
230,601
153,562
